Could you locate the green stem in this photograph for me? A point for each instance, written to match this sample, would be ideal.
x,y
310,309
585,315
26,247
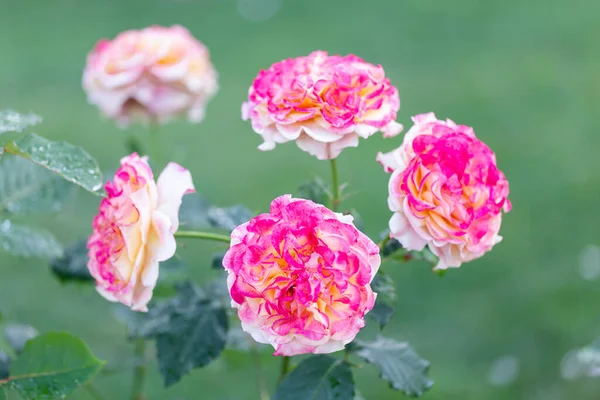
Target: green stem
x,y
336,198
139,371
93,391
203,235
262,384
285,367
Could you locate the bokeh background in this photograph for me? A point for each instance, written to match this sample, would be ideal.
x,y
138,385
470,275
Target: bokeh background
x,y
525,74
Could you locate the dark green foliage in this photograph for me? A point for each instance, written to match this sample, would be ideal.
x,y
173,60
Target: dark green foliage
x,y
72,265
385,304
228,218
382,313
193,213
397,363
320,377
217,261
393,250
190,331
4,365
197,213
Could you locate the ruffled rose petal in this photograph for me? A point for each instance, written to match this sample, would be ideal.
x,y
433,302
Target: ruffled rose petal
x,y
392,129
162,238
133,230
299,277
388,161
446,191
324,103
174,182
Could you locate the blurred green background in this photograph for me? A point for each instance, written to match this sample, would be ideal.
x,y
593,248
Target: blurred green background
x,y
525,74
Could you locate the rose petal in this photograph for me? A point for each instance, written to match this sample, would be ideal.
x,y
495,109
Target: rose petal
x,y
174,182
299,277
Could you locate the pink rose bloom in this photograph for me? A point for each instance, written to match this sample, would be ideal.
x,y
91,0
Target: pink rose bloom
x,y
446,191
134,229
155,73
300,277
324,103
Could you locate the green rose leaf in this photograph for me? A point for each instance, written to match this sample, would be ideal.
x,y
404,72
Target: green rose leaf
x,y
384,308
72,265
12,121
196,213
381,313
319,377
218,292
52,366
4,365
397,363
172,272
190,331
229,218
315,190
394,250
71,162
26,241
193,213
26,188
217,261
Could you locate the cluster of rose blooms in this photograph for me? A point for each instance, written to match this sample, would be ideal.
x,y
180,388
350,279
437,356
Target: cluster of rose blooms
x,y
299,275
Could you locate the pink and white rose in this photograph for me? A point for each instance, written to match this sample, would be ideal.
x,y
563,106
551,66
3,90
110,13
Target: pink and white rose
x,y
155,73
324,103
134,228
300,277
446,191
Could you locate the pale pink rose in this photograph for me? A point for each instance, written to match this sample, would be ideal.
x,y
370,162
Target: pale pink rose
x,y
324,103
134,229
300,277
155,73
446,191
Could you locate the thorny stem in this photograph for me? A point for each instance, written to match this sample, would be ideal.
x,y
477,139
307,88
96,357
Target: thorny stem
x,y
285,367
203,235
139,371
336,198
